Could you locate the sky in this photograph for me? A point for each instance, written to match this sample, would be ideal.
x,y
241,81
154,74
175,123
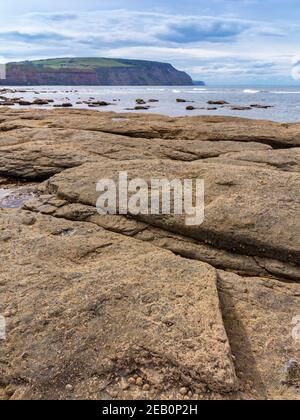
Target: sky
x,y
218,41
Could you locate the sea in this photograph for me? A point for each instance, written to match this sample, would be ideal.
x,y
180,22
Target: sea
x,y
284,101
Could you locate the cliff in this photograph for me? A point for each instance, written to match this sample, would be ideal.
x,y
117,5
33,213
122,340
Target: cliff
x,y
93,71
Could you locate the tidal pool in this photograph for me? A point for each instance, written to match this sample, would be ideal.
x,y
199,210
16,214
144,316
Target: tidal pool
x,y
14,196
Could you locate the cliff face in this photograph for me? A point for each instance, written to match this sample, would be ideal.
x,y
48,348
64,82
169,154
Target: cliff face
x,y
120,72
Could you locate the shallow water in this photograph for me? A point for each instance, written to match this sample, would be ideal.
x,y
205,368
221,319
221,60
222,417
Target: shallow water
x,y
285,100
13,197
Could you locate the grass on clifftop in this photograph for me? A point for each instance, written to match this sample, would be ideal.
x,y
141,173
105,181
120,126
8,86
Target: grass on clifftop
x,y
80,63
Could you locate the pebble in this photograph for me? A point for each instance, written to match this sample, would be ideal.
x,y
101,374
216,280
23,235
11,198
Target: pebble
x,y
139,382
124,385
183,391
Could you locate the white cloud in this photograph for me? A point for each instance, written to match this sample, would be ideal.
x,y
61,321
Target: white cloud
x,y
207,46
296,68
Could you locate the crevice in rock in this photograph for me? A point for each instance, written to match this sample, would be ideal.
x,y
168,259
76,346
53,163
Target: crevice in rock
x,y
240,344
256,267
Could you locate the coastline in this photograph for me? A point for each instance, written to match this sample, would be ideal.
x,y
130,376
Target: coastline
x,y
163,310
279,104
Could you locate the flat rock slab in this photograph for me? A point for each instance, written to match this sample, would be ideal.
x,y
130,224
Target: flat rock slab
x,y
179,244
88,308
215,128
284,160
37,153
260,314
248,210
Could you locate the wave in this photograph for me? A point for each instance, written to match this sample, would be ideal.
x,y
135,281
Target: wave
x,y
286,92
251,91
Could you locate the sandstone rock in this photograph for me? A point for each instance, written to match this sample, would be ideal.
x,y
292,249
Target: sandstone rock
x,y
155,126
257,313
103,303
243,211
94,302
285,160
180,245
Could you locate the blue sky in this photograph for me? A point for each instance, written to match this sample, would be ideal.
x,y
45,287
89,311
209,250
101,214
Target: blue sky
x,y
219,41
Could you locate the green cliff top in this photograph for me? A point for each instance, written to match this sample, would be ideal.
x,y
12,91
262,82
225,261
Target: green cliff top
x,y
81,63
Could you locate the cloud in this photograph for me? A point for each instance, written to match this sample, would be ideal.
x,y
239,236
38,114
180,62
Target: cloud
x,y
296,68
31,37
207,46
54,17
188,30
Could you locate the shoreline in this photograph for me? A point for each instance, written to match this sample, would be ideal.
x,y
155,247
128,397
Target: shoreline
x,y
274,105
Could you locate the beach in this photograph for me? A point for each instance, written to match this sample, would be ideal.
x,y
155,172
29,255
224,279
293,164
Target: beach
x,y
143,306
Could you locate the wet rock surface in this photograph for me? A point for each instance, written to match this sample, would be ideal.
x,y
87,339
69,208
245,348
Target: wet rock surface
x,y
144,306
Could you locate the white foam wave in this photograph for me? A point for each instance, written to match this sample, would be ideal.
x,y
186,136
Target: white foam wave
x,y
286,92
251,91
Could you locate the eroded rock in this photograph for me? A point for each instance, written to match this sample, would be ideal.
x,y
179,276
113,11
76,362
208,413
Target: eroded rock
x,y
100,307
97,304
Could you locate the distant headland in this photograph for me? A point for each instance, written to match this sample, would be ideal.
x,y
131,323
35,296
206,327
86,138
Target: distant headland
x,y
94,71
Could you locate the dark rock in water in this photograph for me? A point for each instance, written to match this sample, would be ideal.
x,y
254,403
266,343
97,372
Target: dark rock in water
x,y
241,108
140,101
190,108
7,103
25,103
41,102
153,100
261,106
99,103
179,100
141,108
65,105
217,103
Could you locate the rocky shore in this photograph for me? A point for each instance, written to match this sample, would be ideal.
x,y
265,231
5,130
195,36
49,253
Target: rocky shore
x,y
145,307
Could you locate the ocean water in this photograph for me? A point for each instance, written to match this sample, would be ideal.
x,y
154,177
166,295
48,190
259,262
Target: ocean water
x,y
285,101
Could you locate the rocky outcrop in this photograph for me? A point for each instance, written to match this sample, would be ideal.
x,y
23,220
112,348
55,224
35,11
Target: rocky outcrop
x,y
145,307
120,72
